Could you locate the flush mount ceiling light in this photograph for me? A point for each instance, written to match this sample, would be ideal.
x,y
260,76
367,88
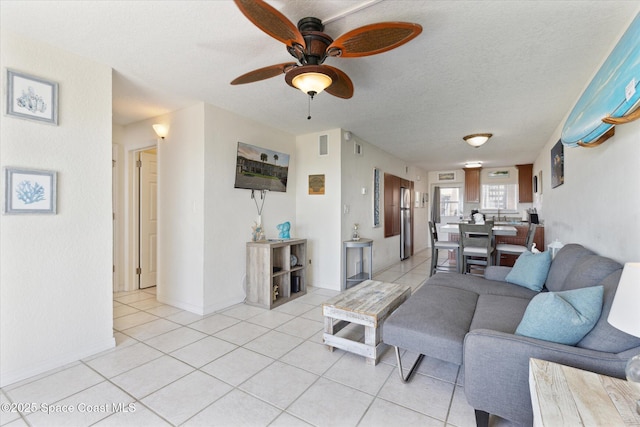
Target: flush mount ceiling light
x,y
477,139
470,165
161,130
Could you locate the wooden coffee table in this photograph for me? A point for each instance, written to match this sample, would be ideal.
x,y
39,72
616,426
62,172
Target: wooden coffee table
x,y
367,304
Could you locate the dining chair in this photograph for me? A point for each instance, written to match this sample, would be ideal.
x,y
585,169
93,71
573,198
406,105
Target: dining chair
x,y
508,248
476,245
436,246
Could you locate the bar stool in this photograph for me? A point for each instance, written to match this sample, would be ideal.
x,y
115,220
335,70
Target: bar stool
x,y
476,245
436,246
507,248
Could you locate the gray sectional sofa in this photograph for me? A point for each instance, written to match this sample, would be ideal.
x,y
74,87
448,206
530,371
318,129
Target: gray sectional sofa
x,y
470,321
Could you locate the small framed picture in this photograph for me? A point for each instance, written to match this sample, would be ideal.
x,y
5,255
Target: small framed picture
x,y
446,176
29,191
32,98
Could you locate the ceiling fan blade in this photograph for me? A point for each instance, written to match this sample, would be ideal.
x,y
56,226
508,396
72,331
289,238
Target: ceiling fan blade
x,y
373,39
263,73
272,22
343,87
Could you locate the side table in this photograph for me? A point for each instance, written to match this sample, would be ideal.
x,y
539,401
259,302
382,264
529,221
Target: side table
x,y
566,396
360,275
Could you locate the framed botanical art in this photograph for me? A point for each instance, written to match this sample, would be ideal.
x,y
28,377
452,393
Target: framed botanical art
x,y
29,191
33,98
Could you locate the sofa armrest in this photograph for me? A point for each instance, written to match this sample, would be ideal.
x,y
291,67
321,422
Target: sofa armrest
x,y
496,272
497,370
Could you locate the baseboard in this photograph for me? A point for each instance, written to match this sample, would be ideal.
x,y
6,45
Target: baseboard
x,y
196,309
10,377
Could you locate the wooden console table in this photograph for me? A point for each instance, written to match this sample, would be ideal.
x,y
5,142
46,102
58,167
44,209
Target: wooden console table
x,y
565,396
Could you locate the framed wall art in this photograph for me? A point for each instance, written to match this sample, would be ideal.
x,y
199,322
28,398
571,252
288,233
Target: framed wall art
x,y
29,191
376,197
32,98
446,176
557,164
316,184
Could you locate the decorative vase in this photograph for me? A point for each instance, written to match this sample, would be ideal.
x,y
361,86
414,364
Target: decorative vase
x,y
355,235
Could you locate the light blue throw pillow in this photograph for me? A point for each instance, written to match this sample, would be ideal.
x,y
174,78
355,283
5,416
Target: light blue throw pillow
x,y
563,317
530,270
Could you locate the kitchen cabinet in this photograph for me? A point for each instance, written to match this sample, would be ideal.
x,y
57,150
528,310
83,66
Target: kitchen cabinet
x,y
472,185
392,185
525,183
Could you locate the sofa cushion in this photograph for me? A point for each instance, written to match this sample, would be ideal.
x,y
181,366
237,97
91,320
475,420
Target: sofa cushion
x,y
433,322
479,285
603,336
563,263
499,313
563,317
530,270
590,270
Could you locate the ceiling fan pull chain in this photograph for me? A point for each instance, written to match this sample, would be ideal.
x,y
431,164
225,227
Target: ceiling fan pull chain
x,y
309,109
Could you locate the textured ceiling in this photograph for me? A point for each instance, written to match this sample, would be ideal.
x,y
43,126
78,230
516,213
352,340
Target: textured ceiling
x,y
513,68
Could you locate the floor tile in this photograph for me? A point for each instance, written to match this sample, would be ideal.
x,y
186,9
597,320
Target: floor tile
x,y
235,409
314,314
237,366
327,403
131,320
313,299
124,359
184,317
203,351
185,397
134,297
312,357
385,414
243,311
7,415
388,276
163,310
241,333
139,417
274,344
301,327
423,394
295,308
279,384
146,379
353,371
175,339
86,407
436,368
123,310
288,420
461,414
56,386
151,329
214,323
271,319
146,304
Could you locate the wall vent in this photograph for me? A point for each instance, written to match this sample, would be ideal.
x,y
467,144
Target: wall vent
x,y
323,145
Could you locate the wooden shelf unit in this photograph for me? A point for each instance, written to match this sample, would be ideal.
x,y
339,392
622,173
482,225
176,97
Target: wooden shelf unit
x,y
269,265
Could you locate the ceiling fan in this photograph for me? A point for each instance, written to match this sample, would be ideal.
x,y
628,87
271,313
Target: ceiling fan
x,y
311,46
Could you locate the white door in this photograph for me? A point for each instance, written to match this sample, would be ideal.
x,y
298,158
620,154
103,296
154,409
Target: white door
x,y
148,218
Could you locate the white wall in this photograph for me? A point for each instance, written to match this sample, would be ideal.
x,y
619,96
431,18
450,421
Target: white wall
x,y
318,217
230,212
56,279
598,205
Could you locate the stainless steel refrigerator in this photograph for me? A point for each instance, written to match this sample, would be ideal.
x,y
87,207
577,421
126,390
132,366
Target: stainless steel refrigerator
x,y
405,223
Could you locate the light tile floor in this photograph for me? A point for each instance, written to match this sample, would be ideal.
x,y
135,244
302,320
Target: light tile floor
x,y
242,366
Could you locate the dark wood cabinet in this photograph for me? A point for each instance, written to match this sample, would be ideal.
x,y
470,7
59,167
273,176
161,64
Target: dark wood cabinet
x,y
392,185
472,185
525,183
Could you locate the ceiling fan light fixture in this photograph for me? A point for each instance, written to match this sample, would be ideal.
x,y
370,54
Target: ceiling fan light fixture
x,y
311,79
477,139
312,82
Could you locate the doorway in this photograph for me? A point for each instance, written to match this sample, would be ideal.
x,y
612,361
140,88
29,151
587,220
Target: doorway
x,y
147,218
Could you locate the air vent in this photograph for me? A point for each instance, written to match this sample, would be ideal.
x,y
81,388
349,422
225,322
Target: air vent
x,y
323,145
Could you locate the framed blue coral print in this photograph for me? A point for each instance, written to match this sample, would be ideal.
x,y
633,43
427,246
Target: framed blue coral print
x,y
29,191
32,98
